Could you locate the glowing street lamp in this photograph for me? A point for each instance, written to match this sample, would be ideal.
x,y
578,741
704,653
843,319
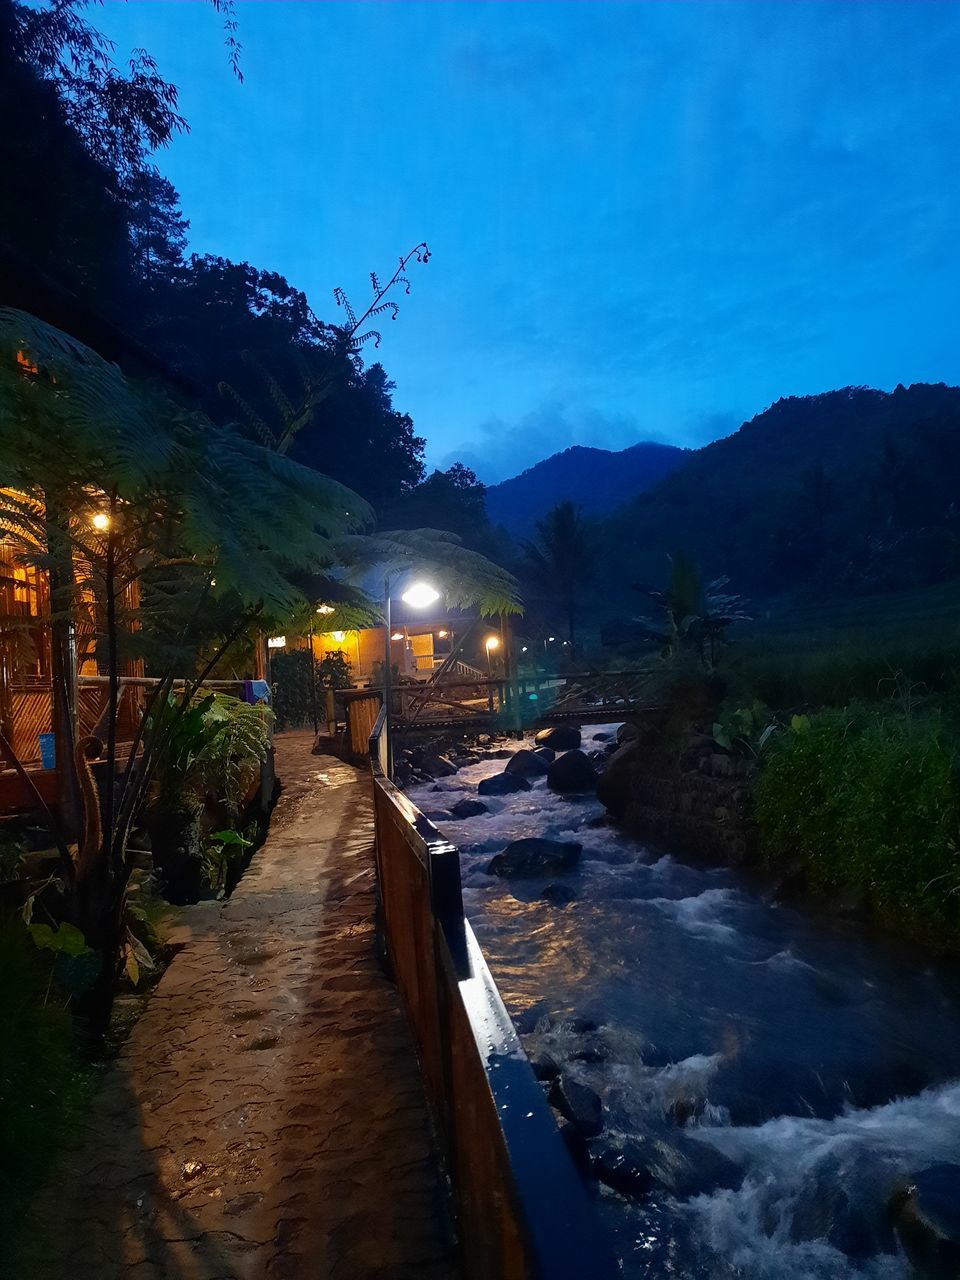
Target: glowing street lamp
x,y
491,644
419,596
101,522
325,609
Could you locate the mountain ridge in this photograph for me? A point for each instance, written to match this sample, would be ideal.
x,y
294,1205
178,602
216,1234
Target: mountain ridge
x,y
597,480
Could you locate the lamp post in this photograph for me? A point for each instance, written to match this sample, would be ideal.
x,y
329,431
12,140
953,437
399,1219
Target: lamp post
x,y
490,644
418,596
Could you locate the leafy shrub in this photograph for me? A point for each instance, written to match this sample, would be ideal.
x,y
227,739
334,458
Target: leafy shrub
x,y
293,693
42,1083
745,730
12,850
221,851
214,752
238,744
868,798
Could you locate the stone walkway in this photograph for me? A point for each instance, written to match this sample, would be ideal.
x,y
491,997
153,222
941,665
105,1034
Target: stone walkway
x,y
265,1119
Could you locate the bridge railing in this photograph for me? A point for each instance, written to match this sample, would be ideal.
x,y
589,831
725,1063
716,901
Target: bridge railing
x,y
524,699
522,1211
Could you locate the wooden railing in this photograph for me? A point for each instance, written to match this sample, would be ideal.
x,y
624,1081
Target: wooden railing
x,y
524,701
522,1211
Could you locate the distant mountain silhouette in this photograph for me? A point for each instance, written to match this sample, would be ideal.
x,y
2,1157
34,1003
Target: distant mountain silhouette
x,y
598,480
852,490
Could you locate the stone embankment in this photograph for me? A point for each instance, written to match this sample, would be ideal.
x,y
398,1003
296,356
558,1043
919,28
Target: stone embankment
x,y
697,802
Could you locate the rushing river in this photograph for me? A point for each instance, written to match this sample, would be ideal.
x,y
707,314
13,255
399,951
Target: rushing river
x,y
824,1064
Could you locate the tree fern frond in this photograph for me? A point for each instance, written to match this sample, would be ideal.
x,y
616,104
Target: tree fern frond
x,y
266,436
465,578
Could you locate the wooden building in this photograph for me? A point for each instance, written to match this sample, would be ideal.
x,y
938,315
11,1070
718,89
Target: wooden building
x,y
27,721
417,649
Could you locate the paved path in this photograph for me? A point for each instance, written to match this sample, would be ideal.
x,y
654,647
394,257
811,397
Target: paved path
x,y
265,1118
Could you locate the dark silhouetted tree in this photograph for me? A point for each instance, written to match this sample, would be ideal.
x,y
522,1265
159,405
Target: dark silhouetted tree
x,y
158,229
561,557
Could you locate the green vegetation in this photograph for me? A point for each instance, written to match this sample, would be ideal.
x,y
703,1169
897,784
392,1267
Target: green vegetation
x,y
869,798
825,497
43,1083
219,855
300,683
856,648
213,754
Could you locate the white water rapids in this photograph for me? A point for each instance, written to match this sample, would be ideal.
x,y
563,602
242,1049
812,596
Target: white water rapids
x,y
825,1064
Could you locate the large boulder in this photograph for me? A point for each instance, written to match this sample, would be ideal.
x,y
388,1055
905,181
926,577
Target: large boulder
x,y
534,856
562,737
527,764
680,1166
502,784
546,754
622,1169
615,782
573,771
468,809
926,1214
845,1207
579,1104
432,764
629,731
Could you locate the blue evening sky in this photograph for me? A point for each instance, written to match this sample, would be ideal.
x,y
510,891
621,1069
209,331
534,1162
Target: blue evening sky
x,y
648,220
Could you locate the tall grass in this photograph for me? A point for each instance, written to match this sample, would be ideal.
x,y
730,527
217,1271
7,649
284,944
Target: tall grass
x,y
869,797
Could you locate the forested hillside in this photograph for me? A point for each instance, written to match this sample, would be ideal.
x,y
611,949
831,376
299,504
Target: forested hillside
x,y
850,491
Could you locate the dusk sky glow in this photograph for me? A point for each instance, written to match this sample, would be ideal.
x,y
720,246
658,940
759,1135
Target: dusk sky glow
x,y
648,221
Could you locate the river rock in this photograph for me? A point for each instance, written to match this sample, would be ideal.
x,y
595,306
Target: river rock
x,y
926,1213
527,764
559,894
680,1165
433,765
562,737
573,771
578,1024
546,754
502,784
529,1019
574,1141
468,809
593,1052
845,1207
623,1168
534,856
602,737
628,732
579,1104
544,1066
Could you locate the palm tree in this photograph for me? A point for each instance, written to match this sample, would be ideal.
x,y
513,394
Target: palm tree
x,y
691,615
561,557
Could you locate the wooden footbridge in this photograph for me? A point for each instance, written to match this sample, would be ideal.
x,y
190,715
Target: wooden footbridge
x,y
597,697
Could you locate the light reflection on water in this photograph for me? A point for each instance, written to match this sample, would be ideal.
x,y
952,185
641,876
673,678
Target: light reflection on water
x,y
805,1052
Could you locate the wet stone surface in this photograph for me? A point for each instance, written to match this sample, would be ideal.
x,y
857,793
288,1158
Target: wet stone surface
x,y
265,1119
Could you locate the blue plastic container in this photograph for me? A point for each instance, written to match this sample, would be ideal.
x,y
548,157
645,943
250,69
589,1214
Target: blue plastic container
x,y
48,750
